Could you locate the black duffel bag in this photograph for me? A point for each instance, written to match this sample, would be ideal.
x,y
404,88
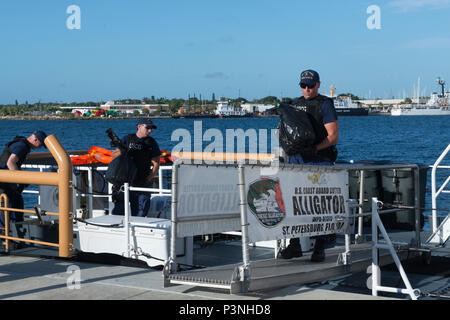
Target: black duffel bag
x,y
121,170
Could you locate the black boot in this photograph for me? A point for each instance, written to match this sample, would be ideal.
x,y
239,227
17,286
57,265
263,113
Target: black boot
x,y
293,250
318,254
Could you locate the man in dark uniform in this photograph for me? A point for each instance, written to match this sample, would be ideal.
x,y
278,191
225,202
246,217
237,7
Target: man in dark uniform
x,y
12,158
144,151
323,153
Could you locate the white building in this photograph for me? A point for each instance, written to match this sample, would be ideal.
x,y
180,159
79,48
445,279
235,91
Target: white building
x,y
255,107
130,108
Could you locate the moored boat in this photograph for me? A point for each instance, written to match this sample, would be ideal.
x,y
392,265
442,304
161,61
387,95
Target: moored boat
x,y
437,105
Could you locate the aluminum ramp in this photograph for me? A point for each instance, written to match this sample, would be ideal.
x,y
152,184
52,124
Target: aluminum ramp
x,y
276,273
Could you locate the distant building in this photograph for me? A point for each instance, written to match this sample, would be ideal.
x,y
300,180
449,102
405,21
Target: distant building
x,y
255,107
130,108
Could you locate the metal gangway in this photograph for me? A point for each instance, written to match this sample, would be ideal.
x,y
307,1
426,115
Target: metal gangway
x,y
194,213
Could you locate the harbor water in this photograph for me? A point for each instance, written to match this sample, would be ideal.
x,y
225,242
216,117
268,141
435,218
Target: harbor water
x,y
418,140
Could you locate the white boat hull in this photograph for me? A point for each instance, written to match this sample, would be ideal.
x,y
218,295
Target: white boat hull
x,y
428,111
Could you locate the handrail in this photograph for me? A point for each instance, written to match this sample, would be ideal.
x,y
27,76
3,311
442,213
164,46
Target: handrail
x,y
435,194
63,180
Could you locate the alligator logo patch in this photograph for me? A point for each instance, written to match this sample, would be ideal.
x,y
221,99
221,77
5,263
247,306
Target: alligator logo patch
x,y
265,201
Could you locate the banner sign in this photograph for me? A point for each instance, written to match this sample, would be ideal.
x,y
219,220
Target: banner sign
x,y
205,195
296,202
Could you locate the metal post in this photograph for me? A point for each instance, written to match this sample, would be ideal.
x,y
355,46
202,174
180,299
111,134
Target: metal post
x,y
127,217
90,190
376,281
110,199
74,194
174,218
416,171
65,187
4,200
346,257
160,180
361,202
244,221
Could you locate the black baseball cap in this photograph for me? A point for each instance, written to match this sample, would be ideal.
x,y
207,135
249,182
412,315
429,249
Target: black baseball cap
x,y
147,122
41,135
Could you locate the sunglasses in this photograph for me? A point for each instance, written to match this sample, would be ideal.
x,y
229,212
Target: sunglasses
x,y
304,86
148,127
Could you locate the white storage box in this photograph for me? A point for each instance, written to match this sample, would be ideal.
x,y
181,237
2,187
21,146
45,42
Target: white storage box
x,y
149,236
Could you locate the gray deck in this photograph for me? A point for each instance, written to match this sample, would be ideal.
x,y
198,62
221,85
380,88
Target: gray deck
x,y
31,278
33,274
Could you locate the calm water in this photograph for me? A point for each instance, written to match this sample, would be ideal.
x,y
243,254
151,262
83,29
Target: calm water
x,y
415,139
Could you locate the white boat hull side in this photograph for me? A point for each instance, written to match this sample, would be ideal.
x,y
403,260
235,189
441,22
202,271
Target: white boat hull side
x,y
420,112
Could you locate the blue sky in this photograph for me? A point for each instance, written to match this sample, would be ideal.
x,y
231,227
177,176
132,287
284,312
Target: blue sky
x,y
132,49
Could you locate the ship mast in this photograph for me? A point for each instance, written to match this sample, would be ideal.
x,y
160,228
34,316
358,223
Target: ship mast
x,y
442,84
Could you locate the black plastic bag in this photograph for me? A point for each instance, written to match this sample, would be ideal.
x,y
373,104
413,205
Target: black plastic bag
x,y
121,170
296,131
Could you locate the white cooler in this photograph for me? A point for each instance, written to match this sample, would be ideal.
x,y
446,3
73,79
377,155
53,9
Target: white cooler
x,y
150,236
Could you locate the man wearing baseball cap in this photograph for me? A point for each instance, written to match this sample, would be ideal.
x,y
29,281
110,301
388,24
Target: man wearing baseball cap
x,y
12,158
323,152
146,156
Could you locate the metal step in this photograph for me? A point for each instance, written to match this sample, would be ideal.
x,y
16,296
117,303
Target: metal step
x,y
276,273
442,233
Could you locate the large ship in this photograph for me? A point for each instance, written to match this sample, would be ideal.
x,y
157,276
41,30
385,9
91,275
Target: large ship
x,y
345,106
437,105
225,109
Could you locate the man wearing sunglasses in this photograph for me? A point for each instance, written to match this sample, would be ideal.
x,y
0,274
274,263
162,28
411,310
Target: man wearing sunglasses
x,y
325,119
144,151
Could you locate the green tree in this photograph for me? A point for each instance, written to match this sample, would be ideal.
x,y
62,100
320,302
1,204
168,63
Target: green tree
x,y
175,104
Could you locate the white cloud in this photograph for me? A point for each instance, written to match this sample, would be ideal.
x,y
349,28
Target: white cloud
x,y
414,5
216,75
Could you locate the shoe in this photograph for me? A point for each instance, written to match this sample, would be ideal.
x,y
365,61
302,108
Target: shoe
x,y
318,254
292,251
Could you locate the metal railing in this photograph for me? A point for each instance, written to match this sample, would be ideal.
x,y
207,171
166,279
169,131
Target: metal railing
x,y
434,193
63,180
376,286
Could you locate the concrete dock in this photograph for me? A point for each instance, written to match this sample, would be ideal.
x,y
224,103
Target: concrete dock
x,y
34,278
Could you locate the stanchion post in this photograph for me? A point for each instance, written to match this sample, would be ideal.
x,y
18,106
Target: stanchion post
x,y
244,270
173,237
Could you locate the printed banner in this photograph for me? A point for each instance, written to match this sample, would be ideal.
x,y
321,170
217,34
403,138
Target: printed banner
x,y
296,203
206,193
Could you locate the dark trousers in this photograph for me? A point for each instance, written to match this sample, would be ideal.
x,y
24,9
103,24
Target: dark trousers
x,y
15,200
139,202
297,159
